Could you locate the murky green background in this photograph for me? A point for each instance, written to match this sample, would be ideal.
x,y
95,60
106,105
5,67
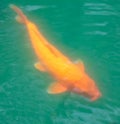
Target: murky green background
x,y
83,29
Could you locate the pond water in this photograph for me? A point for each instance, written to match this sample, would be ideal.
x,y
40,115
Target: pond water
x,y
82,29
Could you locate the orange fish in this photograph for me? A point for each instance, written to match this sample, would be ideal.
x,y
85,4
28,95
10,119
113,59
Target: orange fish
x,y
69,76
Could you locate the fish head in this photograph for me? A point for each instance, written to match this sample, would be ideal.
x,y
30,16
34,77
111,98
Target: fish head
x,y
87,87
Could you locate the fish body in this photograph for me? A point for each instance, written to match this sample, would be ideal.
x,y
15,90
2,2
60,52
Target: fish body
x,y
69,76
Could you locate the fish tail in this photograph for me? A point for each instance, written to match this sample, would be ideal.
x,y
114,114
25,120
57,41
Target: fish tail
x,y
21,17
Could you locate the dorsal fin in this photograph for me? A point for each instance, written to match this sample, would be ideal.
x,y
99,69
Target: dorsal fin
x,y
56,52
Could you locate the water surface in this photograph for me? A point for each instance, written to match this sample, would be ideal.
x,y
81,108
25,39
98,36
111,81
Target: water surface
x,y
82,29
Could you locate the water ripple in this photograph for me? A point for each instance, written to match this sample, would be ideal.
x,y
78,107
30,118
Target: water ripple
x,y
36,7
96,33
99,9
100,24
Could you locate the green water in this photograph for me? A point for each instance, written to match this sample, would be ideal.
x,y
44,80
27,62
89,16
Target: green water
x,y
82,29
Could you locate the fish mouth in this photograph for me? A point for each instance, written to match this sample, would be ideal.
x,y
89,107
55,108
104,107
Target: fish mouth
x,y
91,96
95,97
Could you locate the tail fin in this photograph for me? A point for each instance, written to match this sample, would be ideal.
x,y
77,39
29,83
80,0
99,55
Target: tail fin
x,y
21,17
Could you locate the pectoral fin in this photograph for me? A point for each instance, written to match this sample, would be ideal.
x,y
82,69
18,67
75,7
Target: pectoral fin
x,y
80,64
56,88
39,67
